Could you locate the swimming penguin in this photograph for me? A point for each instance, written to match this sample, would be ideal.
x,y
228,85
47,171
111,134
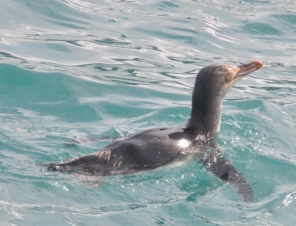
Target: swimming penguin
x,y
156,147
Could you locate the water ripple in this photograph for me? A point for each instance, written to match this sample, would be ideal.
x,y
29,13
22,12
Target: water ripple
x,y
79,70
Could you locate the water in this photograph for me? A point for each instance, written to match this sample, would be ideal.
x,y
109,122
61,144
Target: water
x,y
73,69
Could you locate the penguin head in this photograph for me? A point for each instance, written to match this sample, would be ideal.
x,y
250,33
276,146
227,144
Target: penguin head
x,y
217,80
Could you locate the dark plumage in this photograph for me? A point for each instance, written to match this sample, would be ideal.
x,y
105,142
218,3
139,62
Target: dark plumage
x,y
155,147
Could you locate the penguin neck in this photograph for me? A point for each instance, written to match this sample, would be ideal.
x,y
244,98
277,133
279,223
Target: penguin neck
x,y
205,116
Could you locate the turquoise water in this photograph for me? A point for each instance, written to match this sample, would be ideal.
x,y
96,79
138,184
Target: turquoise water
x,y
84,69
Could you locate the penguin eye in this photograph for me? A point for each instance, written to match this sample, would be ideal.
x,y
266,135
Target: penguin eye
x,y
228,77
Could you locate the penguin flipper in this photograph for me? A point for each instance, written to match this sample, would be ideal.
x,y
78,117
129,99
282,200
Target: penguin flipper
x,y
224,170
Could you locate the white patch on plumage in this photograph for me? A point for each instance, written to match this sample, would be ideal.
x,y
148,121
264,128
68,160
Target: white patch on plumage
x,y
183,143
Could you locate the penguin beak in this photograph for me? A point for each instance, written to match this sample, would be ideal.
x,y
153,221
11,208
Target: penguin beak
x,y
249,68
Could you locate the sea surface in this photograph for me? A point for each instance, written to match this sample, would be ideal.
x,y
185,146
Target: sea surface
x,y
87,71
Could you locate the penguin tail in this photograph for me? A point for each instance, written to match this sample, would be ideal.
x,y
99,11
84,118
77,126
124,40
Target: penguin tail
x,y
59,167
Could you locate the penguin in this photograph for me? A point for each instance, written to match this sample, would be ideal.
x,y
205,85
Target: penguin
x,y
156,147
